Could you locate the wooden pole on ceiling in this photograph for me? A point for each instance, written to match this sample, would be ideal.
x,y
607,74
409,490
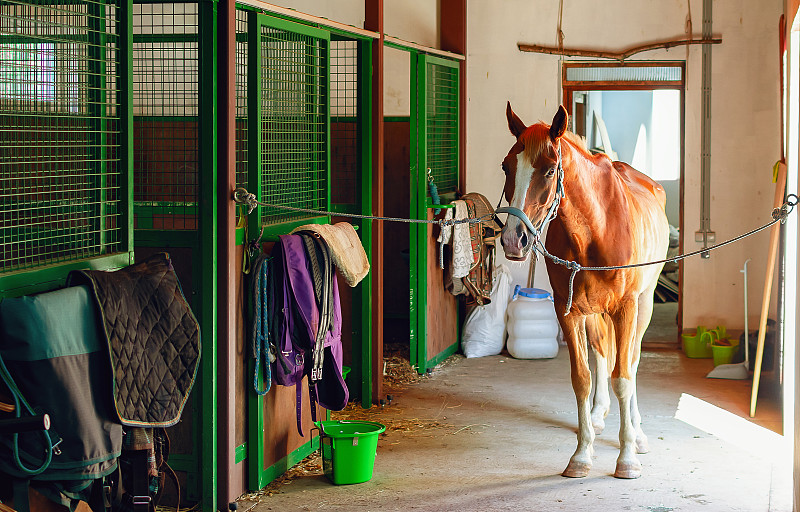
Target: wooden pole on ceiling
x,y
373,14
618,55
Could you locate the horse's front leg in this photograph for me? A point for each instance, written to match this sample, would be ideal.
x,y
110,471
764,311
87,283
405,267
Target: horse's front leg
x,y
597,333
624,384
574,327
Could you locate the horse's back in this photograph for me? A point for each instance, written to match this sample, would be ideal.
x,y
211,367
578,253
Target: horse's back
x,y
650,200
638,181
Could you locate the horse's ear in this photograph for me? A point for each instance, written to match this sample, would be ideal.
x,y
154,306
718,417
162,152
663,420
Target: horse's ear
x,y
559,125
515,124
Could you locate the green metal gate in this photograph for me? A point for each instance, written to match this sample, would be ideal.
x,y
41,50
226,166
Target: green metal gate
x,y
288,95
64,193
351,184
301,95
282,142
434,155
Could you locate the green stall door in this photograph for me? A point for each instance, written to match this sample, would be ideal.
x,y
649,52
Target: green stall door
x,y
435,157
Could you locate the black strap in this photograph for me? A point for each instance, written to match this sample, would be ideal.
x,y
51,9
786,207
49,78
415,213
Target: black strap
x,y
20,492
140,480
298,407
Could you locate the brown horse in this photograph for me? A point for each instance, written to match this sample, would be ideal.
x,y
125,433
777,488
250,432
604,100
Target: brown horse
x,y
603,214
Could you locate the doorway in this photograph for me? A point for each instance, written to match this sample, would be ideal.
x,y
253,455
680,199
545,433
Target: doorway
x,y
633,112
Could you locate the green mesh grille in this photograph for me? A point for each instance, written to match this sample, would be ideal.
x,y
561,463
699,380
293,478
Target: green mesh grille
x,y
293,123
165,99
344,98
241,99
59,153
441,123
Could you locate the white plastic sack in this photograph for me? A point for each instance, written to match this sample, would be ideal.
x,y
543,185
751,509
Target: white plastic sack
x,y
484,328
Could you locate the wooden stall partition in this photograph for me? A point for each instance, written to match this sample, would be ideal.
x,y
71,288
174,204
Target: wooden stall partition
x,y
244,374
442,306
396,241
273,444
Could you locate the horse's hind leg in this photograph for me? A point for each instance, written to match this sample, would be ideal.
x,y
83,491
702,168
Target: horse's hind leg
x,y
642,321
597,333
575,335
624,383
642,445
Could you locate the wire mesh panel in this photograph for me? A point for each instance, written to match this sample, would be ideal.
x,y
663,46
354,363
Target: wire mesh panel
x,y
441,123
344,99
241,98
165,98
293,122
59,132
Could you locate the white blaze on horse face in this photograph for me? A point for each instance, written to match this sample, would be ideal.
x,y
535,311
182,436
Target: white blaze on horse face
x,y
522,183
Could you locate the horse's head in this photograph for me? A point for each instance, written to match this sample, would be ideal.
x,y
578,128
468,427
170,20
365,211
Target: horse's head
x,y
532,168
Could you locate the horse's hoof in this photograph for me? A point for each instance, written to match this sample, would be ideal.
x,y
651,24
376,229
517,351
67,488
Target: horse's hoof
x,y
577,470
642,446
628,471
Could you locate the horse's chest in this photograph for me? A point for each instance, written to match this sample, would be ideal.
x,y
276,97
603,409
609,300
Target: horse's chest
x,y
594,291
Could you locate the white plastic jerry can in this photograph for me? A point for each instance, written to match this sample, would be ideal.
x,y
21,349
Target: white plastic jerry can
x,y
532,324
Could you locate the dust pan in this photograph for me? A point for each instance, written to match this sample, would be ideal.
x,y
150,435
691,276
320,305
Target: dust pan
x,y
736,371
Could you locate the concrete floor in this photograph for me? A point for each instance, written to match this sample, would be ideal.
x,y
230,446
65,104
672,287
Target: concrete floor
x,y
494,434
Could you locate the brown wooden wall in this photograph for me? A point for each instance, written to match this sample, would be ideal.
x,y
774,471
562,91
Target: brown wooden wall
x,y
442,323
396,241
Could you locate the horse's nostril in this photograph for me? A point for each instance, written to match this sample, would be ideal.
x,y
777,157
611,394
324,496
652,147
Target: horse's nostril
x,y
523,240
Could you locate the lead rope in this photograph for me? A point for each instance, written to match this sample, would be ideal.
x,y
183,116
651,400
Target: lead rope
x,y
242,196
778,215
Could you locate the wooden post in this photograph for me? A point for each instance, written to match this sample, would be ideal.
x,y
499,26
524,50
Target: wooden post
x,y
373,10
230,475
453,29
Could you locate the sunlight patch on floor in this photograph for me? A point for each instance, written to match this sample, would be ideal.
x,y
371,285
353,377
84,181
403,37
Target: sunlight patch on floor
x,y
731,428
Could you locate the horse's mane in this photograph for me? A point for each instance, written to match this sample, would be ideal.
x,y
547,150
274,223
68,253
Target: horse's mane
x,y
538,134
577,140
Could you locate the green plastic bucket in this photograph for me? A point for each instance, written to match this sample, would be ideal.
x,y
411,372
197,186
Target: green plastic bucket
x,y
723,354
697,345
348,449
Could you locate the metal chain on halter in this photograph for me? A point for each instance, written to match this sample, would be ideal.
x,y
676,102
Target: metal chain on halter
x,y
242,196
778,215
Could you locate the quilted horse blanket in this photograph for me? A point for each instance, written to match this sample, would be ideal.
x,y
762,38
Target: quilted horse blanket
x,y
153,339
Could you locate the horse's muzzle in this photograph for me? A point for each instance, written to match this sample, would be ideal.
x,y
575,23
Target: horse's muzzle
x,y
516,241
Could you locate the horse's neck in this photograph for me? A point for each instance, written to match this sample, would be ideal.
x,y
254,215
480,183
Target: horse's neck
x,y
586,187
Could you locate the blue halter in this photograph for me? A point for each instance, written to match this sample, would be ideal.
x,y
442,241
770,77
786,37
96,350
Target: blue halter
x,y
551,213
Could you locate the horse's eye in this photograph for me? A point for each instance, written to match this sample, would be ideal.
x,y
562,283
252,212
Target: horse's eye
x,y
550,172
